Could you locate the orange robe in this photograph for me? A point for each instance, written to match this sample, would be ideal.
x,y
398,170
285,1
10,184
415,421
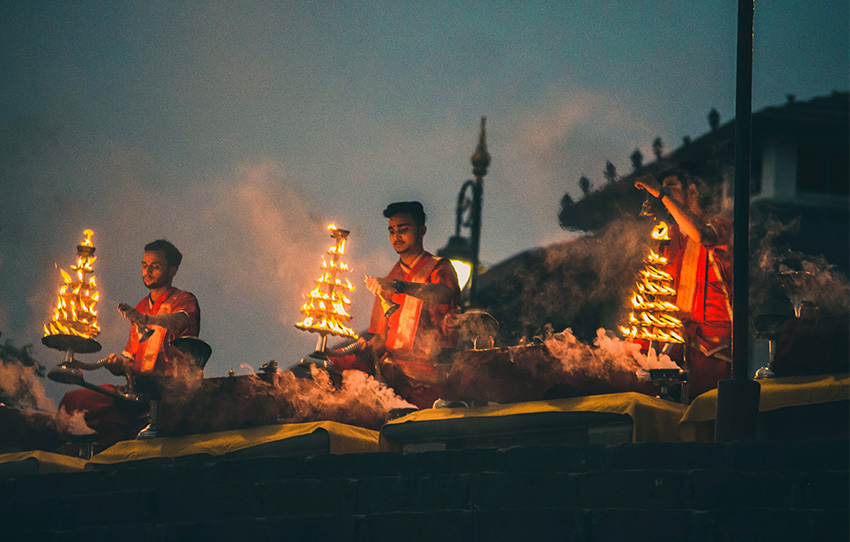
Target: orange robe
x,y
156,354
418,332
703,281
121,422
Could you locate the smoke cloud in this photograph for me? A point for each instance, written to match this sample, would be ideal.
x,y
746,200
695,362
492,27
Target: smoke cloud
x,y
783,277
72,423
583,284
359,400
609,354
279,397
23,390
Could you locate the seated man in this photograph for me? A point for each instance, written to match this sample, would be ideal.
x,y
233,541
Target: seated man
x,y
412,317
163,315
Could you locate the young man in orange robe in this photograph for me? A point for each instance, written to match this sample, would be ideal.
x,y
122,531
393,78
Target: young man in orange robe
x,y
411,327
163,315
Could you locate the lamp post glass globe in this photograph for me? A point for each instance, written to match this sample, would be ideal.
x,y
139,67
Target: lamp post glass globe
x,y
464,272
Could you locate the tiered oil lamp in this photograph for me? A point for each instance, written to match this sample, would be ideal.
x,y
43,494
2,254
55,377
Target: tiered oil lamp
x,y
74,324
652,316
326,310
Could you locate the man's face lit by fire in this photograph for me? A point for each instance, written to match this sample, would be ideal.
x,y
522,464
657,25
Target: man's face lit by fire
x,y
155,270
405,235
674,185
687,196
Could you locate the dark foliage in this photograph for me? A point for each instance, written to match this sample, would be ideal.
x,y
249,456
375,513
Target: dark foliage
x,y
23,355
576,284
598,208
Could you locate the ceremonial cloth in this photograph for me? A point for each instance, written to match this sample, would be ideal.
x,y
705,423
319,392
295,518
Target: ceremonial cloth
x,y
156,353
794,391
655,420
341,439
418,330
38,462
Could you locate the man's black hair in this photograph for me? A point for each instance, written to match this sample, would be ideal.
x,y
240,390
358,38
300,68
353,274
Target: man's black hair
x,y
413,208
172,255
687,173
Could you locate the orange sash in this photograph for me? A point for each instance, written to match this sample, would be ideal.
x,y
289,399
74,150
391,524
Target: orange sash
x,y
147,352
411,307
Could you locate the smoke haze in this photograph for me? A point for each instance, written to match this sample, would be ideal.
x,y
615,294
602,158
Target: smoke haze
x,y
24,390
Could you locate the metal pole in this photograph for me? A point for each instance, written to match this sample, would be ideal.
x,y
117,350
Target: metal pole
x,y
480,161
741,249
738,398
475,235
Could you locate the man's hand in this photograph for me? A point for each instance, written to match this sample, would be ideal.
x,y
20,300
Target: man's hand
x,y
380,287
648,183
117,364
132,315
427,292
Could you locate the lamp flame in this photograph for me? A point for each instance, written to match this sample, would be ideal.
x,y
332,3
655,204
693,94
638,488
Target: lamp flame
x,y
325,310
76,312
652,317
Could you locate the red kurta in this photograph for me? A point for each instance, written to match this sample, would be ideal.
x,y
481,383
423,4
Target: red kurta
x,y
156,353
702,285
703,281
101,413
418,332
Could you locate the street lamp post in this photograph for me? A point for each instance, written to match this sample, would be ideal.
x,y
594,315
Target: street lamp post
x,y
480,162
738,397
462,251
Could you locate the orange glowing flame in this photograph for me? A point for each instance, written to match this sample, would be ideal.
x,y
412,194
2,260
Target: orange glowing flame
x,y
640,303
661,232
646,334
653,273
87,242
326,307
656,258
652,318
652,288
76,312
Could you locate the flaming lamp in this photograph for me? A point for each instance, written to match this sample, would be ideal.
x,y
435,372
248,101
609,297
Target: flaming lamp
x,y
653,308
74,324
326,310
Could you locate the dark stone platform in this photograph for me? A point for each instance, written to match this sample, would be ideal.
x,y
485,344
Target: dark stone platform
x,y
706,492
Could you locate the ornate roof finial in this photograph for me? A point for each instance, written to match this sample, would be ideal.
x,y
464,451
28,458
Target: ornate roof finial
x,y
481,158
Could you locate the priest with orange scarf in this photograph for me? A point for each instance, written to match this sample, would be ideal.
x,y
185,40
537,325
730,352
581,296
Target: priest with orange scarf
x,y
163,315
412,326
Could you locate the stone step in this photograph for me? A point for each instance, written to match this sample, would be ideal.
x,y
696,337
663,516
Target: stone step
x,y
645,489
538,524
742,456
699,487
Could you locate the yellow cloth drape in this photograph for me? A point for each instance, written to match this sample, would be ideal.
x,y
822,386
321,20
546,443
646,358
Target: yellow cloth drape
x,y
776,393
342,439
654,419
47,462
